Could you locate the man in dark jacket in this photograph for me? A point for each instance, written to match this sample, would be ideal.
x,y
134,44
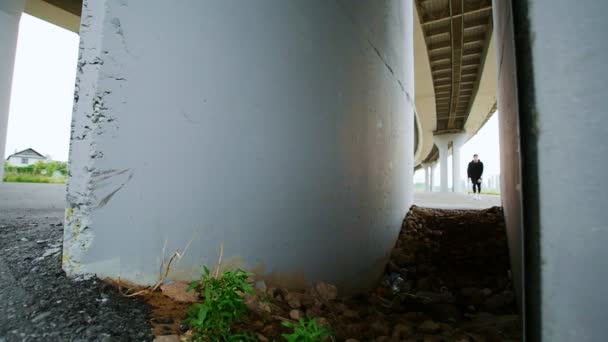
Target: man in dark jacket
x,y
474,172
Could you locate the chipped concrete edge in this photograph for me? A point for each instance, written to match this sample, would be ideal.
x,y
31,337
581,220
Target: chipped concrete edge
x,y
89,120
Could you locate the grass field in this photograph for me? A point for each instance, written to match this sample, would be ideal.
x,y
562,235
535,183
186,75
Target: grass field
x,y
26,178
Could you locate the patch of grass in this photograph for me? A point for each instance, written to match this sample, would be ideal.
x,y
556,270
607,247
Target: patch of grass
x,y
307,331
224,305
25,178
494,193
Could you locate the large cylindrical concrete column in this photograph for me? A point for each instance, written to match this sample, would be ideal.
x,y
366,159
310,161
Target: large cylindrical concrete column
x,y
10,13
282,130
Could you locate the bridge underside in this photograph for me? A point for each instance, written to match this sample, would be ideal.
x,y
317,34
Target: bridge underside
x,y
455,56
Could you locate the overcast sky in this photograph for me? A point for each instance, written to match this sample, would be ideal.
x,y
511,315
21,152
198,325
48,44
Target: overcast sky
x,y
43,86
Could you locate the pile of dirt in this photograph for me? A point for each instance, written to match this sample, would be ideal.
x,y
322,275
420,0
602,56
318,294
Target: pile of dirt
x,y
447,280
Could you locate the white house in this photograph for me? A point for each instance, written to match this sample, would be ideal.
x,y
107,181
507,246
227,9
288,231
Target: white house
x,y
25,158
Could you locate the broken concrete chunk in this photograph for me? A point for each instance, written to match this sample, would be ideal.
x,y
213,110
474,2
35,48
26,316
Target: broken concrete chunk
x,y
177,291
41,317
254,304
260,285
295,314
167,338
326,291
51,251
429,327
293,299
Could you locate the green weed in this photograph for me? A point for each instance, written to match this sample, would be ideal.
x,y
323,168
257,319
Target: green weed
x,y
25,178
307,331
224,305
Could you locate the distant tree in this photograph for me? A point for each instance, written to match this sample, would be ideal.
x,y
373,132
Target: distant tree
x,y
39,166
52,167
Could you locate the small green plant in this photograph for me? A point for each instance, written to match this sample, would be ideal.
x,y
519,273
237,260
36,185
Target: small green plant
x,y
224,305
307,331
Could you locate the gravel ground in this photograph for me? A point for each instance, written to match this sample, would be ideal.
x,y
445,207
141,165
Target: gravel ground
x,y
450,270
447,280
39,303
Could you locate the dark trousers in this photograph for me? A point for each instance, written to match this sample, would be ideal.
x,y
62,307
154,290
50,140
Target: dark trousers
x,y
476,184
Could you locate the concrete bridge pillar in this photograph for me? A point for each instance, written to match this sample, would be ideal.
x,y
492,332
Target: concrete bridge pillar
x,y
433,167
427,176
443,141
282,130
457,141
442,145
10,13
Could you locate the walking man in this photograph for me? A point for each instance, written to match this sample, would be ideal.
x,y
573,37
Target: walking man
x,y
474,172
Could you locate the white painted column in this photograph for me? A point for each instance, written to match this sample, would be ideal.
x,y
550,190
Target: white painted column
x,y
442,144
427,177
10,13
241,124
457,141
433,166
442,141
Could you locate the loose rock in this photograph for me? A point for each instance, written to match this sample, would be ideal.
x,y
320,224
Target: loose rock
x,y
295,314
326,291
178,292
429,327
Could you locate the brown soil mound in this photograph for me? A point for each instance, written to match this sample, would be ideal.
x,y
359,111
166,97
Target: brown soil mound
x,y
447,280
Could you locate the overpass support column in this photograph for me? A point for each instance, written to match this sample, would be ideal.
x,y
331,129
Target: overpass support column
x,y
442,145
457,142
10,13
263,131
443,141
427,177
433,167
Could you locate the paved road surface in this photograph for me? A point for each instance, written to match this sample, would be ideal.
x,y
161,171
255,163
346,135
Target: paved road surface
x,y
32,196
451,200
37,301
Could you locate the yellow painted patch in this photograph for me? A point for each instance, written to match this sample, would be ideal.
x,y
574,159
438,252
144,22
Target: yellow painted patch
x,y
76,229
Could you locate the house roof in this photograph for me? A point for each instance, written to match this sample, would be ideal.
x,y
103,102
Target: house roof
x,y
30,152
